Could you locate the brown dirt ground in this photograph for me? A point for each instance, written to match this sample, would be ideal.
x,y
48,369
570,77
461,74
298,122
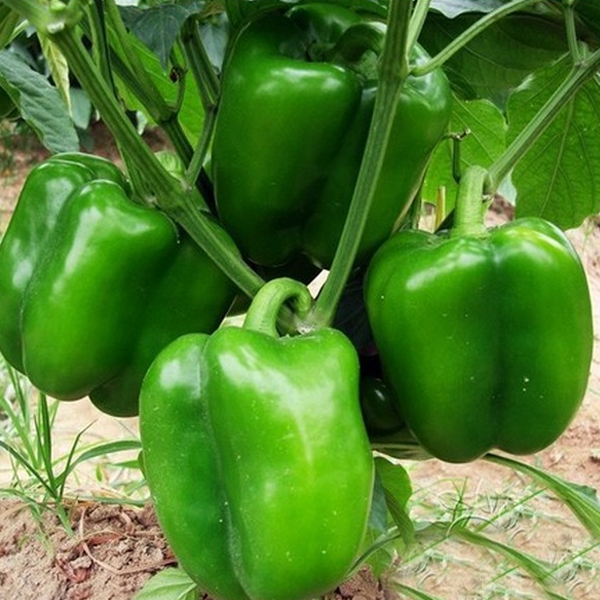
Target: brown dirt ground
x,y
113,549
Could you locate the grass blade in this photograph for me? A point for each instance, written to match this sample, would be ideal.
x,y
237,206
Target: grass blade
x,y
102,450
582,501
412,592
28,466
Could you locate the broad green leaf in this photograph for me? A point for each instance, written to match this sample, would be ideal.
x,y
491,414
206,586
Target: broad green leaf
x,y
59,69
378,517
453,8
582,501
500,58
559,177
397,488
247,8
484,143
169,584
395,481
215,35
589,13
158,27
39,102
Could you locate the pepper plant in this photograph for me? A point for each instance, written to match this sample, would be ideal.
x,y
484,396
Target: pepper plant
x,y
306,138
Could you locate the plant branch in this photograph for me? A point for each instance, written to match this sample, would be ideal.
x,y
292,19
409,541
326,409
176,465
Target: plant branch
x,y
579,75
393,73
571,27
202,69
182,205
417,21
466,36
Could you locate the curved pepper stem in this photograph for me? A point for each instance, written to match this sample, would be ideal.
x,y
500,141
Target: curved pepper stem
x,y
470,203
265,308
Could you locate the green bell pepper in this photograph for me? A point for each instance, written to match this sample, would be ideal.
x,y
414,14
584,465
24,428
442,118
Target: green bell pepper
x,y
93,286
296,103
485,336
377,403
256,455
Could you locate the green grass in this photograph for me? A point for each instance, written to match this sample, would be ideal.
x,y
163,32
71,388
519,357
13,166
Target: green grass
x,y
39,477
538,537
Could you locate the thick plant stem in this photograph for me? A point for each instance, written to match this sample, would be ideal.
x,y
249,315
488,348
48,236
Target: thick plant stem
x,y
393,73
470,206
581,73
181,205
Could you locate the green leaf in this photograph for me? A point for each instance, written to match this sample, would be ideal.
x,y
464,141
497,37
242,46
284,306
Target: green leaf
x,y
378,517
191,113
589,13
581,500
397,488
559,177
58,67
247,8
9,19
484,143
498,59
158,27
169,584
454,8
39,102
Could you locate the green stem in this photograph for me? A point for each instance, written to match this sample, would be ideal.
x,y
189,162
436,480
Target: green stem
x,y
202,69
181,205
99,44
466,36
194,169
393,72
470,206
571,28
266,307
158,109
417,21
33,11
137,79
580,74
234,12
8,25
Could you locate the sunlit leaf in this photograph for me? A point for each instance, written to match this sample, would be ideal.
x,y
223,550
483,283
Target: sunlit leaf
x,y
558,179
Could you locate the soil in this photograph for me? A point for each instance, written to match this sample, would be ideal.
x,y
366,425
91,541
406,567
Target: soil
x,y
107,551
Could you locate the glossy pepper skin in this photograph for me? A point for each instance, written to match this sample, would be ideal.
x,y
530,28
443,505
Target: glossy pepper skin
x,y
296,104
487,341
93,286
257,460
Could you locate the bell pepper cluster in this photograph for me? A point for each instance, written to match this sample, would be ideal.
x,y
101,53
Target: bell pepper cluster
x,y
257,445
